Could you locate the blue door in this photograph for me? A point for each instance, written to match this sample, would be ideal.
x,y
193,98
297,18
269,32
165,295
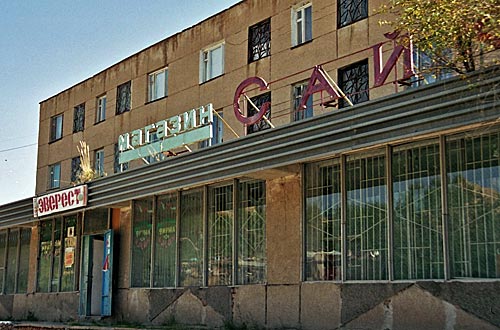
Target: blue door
x,y
107,274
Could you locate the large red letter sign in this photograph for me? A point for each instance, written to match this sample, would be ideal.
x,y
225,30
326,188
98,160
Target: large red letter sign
x,y
381,72
317,83
239,91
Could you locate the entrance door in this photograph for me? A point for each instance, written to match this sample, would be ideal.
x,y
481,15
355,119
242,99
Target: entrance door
x,y
96,275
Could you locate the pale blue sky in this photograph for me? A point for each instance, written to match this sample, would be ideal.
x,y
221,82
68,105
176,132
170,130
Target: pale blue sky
x,y
47,46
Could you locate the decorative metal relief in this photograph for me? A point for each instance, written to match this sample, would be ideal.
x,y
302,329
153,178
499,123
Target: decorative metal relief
x,y
79,118
351,11
123,98
262,124
353,80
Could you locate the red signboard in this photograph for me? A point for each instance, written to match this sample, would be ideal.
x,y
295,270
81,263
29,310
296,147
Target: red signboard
x,y
64,200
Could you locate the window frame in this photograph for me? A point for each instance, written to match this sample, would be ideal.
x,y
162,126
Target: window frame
x,y
262,48
301,114
99,162
56,127
79,118
206,62
126,90
301,37
153,82
100,114
343,11
51,179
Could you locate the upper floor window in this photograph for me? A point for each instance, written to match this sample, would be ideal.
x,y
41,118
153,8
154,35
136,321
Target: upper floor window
x,y
350,11
157,84
100,114
211,62
259,40
118,168
123,97
258,101
79,118
297,92
99,162
217,130
75,169
301,24
56,127
54,176
353,80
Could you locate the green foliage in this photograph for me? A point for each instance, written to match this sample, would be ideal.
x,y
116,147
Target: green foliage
x,y
454,33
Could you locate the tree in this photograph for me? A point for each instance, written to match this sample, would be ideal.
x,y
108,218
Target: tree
x,y
455,34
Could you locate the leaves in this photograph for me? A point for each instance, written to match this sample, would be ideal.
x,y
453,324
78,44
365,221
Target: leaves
x,y
457,34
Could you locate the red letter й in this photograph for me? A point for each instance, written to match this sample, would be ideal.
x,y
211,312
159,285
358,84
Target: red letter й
x,y
382,71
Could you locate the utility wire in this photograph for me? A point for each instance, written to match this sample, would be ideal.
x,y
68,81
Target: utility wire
x,y
19,147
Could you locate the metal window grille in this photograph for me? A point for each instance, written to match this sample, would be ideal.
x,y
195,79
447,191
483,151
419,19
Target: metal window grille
x,y
75,169
353,81
418,233
366,218
165,241
141,242
350,11
473,167
79,118
252,232
323,221
123,98
259,41
220,235
259,101
191,238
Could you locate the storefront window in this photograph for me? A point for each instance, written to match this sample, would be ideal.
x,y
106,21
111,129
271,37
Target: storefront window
x,y
141,242
473,166
323,214
191,238
418,232
165,241
252,232
366,213
45,256
24,260
10,279
220,235
69,254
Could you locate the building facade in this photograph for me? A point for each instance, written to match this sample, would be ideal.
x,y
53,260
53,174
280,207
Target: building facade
x,y
272,166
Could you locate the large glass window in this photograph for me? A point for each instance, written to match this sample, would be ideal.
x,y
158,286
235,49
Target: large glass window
x,y
473,167
252,232
191,238
259,40
350,11
418,232
165,241
323,219
301,24
220,235
366,214
141,242
14,260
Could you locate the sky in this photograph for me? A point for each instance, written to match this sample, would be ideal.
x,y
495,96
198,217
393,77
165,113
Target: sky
x,y
48,46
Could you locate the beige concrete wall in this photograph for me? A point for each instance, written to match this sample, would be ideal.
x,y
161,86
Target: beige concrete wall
x,y
181,52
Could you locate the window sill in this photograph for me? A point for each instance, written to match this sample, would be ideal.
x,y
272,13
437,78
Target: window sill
x,y
302,44
53,141
211,79
97,123
155,100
